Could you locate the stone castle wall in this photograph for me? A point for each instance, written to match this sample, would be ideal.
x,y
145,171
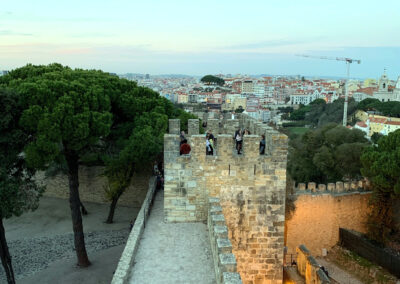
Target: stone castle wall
x,y
251,189
309,268
321,210
91,187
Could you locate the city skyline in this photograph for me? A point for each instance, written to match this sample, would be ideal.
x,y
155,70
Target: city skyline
x,y
199,38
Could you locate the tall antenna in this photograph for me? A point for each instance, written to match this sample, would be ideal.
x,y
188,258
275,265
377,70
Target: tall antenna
x,y
348,62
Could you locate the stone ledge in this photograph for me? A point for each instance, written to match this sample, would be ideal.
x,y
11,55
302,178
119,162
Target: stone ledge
x,y
218,220
214,210
221,231
224,245
227,262
231,278
122,272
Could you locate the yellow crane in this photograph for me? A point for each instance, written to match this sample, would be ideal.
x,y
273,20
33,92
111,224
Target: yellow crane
x,y
348,62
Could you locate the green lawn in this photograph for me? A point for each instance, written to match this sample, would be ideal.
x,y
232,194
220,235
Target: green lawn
x,y
298,130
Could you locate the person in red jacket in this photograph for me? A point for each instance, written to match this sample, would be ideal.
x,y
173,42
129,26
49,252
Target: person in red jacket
x,y
185,147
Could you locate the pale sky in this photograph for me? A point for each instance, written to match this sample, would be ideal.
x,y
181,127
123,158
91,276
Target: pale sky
x,y
203,37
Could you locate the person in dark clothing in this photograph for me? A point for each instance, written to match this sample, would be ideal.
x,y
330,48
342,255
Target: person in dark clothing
x,y
237,132
262,145
185,148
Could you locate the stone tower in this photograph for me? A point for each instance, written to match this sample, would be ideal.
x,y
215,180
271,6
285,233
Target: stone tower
x,y
250,187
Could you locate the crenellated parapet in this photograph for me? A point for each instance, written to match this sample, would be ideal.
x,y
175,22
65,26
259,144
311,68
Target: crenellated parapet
x,y
333,188
250,187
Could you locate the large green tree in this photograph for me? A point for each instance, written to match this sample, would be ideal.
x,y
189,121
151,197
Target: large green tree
x,y
384,108
327,154
18,191
381,165
210,79
136,138
68,113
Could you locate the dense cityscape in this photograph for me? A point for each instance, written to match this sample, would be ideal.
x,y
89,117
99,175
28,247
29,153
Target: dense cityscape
x,y
264,97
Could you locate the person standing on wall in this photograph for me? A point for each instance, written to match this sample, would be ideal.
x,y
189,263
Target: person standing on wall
x,y
182,136
262,145
239,141
209,147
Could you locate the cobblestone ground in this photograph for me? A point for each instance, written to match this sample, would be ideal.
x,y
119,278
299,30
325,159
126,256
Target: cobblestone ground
x,y
172,252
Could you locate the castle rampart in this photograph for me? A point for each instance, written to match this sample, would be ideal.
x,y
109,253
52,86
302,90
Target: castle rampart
x,y
250,186
320,210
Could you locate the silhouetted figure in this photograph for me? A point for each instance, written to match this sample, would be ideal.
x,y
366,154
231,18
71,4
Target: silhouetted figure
x,y
262,145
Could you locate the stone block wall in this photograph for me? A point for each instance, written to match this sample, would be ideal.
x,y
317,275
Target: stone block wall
x,y
91,186
174,126
318,216
213,126
251,189
224,261
308,267
193,127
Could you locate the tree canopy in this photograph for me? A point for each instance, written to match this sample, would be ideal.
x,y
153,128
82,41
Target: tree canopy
x,y
210,79
18,191
71,114
381,165
385,108
327,154
318,113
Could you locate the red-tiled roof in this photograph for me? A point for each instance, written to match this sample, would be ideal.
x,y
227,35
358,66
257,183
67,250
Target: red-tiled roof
x,y
362,124
377,120
368,90
393,122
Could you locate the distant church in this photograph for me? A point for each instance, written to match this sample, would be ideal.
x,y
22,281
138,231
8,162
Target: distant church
x,y
384,94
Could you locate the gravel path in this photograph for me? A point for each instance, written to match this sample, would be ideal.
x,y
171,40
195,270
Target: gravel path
x,y
172,253
34,254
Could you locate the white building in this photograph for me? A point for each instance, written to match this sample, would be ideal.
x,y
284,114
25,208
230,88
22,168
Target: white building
x,y
304,97
383,94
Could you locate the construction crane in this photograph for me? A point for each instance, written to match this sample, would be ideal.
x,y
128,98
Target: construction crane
x,y
348,62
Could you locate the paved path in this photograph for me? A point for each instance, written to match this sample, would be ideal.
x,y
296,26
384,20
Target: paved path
x,y
172,252
338,274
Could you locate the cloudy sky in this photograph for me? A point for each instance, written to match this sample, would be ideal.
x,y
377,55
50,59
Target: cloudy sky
x,y
199,37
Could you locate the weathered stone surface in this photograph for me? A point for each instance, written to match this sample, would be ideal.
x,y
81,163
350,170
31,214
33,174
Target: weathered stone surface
x,y
193,127
224,245
321,187
317,219
214,210
91,186
250,188
174,126
231,278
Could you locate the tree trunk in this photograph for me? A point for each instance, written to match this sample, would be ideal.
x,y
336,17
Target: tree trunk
x,y
5,255
75,205
112,209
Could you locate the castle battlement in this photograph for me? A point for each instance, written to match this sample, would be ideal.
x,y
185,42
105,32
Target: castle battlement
x,y
250,187
333,188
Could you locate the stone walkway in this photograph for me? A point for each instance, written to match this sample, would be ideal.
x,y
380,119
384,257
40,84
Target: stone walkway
x,y
172,252
338,274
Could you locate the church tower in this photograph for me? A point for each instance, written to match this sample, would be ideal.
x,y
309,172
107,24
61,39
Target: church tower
x,y
398,83
383,82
